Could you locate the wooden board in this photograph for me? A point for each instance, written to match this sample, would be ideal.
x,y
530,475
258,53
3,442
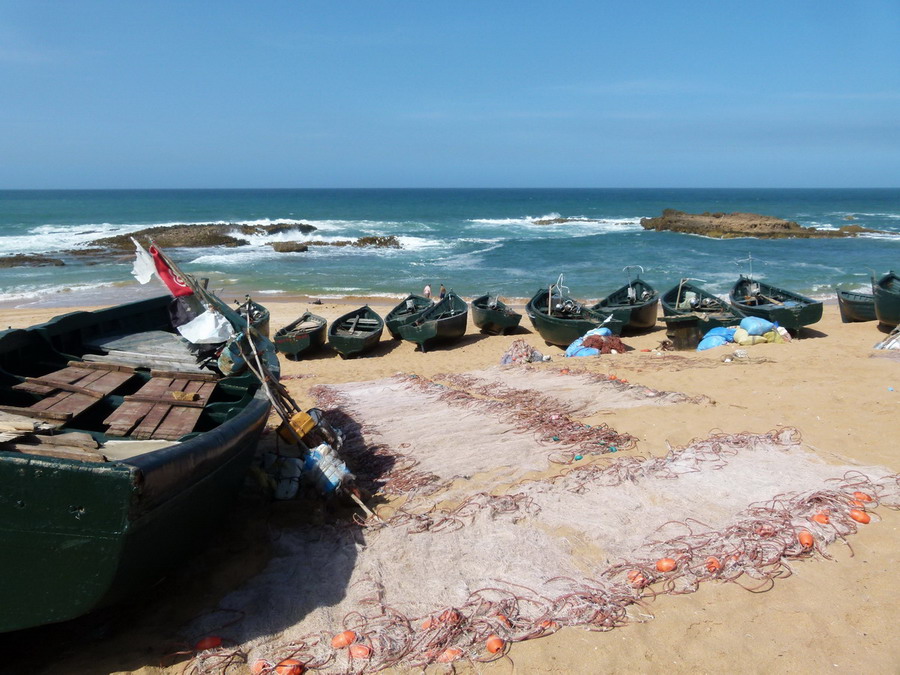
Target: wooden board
x,y
70,391
153,413
155,349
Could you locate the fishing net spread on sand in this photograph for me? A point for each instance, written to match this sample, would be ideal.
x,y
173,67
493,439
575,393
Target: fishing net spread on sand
x,y
585,547
420,434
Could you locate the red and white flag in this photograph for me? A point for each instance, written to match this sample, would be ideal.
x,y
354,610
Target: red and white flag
x,y
174,282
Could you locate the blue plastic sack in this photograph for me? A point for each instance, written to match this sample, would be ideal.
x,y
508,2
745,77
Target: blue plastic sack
x,y
577,349
721,331
755,325
711,341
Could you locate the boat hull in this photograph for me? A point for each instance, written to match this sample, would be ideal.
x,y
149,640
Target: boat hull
x,y
887,300
349,341
711,311
639,314
293,342
445,321
403,313
786,308
856,307
563,331
497,320
76,536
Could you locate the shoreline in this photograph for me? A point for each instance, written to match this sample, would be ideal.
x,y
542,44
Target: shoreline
x,y
80,300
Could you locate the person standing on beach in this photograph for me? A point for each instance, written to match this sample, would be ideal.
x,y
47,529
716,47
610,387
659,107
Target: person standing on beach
x,y
427,291
443,292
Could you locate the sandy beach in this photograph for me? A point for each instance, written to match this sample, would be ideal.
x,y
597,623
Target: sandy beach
x,y
830,615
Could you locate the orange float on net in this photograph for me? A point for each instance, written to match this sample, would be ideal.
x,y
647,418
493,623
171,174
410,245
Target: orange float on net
x,y
546,624
360,651
427,623
862,496
260,666
209,642
449,655
341,640
822,518
290,667
450,616
713,565
502,619
637,579
666,564
495,644
860,516
857,503
806,539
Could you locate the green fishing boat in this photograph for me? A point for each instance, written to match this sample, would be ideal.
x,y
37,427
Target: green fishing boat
x,y
790,310
301,336
855,307
560,319
444,321
687,299
491,315
636,304
356,332
259,315
409,309
887,299
118,450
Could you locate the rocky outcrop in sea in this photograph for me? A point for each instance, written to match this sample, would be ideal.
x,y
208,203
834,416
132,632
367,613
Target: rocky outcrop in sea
x,y
730,225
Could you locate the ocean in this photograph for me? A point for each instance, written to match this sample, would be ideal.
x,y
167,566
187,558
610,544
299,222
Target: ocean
x,y
474,241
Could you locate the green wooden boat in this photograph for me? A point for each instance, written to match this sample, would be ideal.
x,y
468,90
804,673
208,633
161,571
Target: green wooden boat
x,y
855,307
259,315
560,319
106,479
492,315
303,335
444,321
356,332
636,305
887,299
791,310
687,299
409,309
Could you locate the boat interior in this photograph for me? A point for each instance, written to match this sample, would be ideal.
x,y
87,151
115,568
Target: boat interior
x,y
102,386
357,325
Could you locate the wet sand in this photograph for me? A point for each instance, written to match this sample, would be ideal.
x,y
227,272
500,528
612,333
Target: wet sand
x,y
830,615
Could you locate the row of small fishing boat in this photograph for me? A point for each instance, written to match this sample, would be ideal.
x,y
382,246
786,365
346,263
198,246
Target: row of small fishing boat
x,y
416,319
883,303
560,318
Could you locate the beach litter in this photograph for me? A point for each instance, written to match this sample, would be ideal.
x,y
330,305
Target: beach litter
x,y
485,549
521,352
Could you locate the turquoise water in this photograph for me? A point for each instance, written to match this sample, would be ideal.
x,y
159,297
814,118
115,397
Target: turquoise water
x,y
474,241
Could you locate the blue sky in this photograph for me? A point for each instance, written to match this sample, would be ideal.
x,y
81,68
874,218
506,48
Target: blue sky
x,y
449,94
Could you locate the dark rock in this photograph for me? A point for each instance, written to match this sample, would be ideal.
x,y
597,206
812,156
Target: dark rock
x,y
278,228
290,246
177,236
29,260
730,225
380,242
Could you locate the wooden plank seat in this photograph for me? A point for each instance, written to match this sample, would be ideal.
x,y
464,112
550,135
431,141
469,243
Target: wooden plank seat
x,y
166,407
152,348
70,391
